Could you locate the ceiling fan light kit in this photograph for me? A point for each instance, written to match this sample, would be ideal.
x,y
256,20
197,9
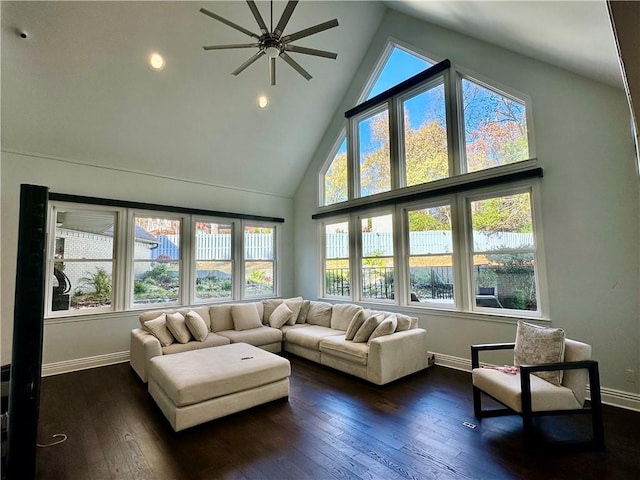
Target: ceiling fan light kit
x,y
271,43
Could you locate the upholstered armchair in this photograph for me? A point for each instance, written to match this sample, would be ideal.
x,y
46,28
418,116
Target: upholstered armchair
x,y
520,389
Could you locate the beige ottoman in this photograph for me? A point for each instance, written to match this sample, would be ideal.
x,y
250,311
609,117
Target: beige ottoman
x,y
199,385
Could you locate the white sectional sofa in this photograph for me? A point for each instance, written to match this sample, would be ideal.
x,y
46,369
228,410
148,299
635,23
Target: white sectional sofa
x,y
377,346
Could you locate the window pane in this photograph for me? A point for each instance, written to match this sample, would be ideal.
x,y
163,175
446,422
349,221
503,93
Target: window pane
x,y
431,260
156,267
377,257
82,285
335,180
375,167
400,66
495,128
83,260
425,137
502,223
214,268
336,266
156,282
259,279
259,246
84,235
504,253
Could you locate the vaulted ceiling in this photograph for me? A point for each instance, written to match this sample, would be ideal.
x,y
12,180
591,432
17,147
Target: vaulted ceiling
x,y
79,88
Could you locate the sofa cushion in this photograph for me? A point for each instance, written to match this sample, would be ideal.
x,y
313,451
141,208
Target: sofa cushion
x,y
367,328
212,340
245,316
285,328
262,335
158,328
356,322
319,314
310,337
342,314
221,317
281,315
304,311
340,347
295,305
536,345
178,328
386,327
196,325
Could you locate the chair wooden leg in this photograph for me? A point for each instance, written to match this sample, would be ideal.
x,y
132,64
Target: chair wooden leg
x,y
477,403
596,408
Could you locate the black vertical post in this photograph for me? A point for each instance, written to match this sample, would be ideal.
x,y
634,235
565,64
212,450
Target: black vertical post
x,y
26,354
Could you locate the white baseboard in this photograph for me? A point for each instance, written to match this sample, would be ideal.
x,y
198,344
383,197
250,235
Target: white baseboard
x,y
610,396
66,366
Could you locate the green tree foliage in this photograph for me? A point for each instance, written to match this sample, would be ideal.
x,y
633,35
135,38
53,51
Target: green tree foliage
x,y
335,180
503,214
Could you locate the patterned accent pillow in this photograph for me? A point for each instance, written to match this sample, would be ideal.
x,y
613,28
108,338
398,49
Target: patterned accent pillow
x,y
281,315
178,327
196,325
158,328
535,345
386,327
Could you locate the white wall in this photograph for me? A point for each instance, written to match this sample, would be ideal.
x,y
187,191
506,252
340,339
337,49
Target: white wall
x,y
67,341
589,201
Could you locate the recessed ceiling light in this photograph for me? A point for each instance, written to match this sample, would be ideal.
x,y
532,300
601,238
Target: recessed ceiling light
x,y
156,62
263,102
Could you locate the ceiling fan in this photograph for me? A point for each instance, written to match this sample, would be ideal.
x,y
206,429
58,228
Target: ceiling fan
x,y
272,43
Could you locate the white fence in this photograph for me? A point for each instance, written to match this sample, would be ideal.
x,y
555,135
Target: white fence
x,y
217,246
425,243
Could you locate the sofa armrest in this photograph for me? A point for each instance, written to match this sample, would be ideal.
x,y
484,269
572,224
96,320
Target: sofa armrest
x,y
394,356
144,346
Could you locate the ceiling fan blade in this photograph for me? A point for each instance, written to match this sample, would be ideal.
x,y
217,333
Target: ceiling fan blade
x,y
311,30
272,70
284,19
229,23
310,51
296,66
234,45
257,16
255,57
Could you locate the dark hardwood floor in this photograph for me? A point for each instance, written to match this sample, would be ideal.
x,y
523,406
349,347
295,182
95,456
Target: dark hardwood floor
x,y
332,426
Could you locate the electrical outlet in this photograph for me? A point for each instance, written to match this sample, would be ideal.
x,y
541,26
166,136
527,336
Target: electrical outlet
x,y
630,375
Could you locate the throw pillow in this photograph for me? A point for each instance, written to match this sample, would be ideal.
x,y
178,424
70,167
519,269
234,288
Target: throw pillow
x,y
386,327
319,314
404,322
304,311
535,345
269,305
196,325
281,315
367,328
158,328
177,326
295,305
245,316
356,322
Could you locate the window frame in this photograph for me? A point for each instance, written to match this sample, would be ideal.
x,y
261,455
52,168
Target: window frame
x,y
119,249
276,264
124,251
323,257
